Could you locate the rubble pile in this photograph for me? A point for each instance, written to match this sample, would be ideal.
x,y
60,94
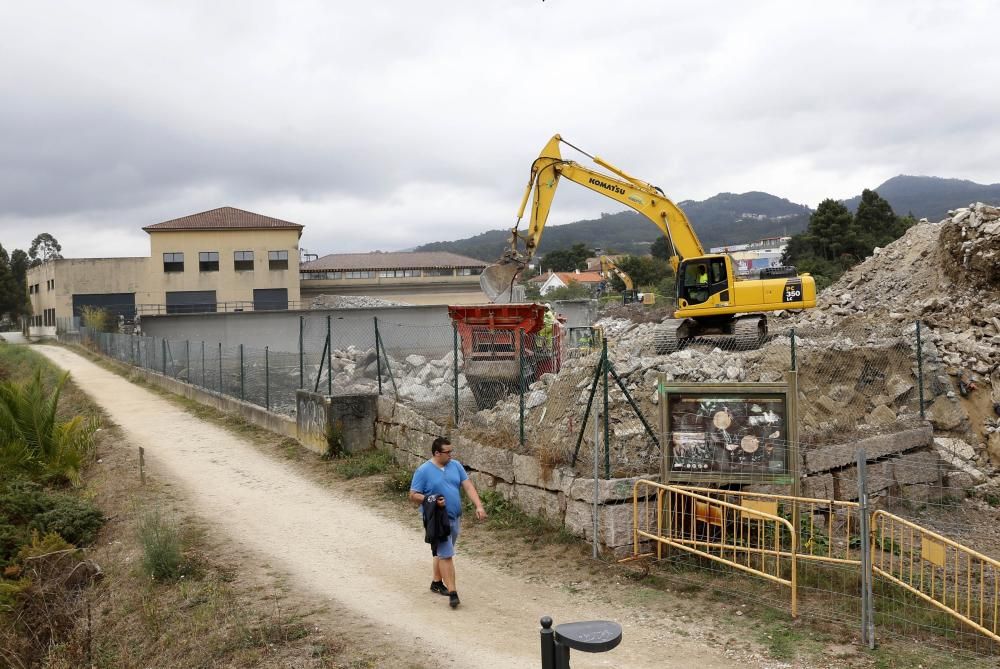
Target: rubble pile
x,y
418,379
856,350
946,275
972,239
352,302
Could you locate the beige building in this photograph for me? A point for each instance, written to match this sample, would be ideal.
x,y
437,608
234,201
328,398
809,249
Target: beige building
x,y
220,260
435,277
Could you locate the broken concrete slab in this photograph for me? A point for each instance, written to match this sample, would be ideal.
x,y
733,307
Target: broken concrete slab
x,y
826,458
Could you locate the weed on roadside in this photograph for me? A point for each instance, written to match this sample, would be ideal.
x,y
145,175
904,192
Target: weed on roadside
x,y
365,463
503,514
162,558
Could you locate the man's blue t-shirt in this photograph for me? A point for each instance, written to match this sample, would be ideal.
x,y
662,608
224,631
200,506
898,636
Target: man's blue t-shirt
x,y
429,479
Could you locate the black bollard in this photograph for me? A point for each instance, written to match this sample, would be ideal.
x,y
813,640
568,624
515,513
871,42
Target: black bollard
x,y
548,644
592,636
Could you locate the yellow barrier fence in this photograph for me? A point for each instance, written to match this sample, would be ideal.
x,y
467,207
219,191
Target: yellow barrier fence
x,y
958,580
743,536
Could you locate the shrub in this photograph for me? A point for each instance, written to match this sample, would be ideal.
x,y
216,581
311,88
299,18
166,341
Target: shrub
x,y
162,559
33,442
73,519
98,319
25,505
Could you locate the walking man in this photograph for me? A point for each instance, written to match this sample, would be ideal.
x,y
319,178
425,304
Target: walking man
x,y
443,476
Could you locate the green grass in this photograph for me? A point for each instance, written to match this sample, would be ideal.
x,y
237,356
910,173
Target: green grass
x,y
502,514
162,557
365,463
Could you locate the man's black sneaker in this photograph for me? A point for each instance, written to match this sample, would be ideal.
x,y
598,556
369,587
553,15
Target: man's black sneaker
x,y
453,600
439,587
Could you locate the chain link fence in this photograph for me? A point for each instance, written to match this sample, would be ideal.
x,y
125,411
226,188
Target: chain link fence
x,y
589,399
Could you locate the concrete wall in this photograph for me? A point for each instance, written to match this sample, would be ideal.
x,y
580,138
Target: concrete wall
x,y
250,412
417,328
578,313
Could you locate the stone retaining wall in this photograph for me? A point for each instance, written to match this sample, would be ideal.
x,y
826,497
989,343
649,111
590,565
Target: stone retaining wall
x,y
559,496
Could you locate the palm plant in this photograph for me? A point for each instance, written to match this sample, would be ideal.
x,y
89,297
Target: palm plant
x,y
33,441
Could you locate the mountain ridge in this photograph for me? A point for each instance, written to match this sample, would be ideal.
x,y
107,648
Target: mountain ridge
x,y
730,218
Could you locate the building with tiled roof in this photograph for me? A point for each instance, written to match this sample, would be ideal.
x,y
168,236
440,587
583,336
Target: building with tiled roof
x,y
225,259
224,218
554,280
416,277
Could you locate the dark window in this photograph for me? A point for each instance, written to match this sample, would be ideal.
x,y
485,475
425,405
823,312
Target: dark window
x,y
243,260
270,299
190,301
173,262
398,273
277,259
208,261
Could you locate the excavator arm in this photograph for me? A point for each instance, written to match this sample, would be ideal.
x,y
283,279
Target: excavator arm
x,y
546,171
608,265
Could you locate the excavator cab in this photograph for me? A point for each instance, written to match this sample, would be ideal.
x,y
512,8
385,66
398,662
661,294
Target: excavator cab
x,y
702,278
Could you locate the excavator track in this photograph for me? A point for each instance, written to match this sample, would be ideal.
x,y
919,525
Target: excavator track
x,y
668,336
673,334
749,332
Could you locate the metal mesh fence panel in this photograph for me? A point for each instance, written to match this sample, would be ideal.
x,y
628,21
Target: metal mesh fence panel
x,y
420,360
283,373
345,347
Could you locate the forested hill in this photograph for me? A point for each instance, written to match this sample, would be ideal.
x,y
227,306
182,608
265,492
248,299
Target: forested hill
x,y
726,218
931,197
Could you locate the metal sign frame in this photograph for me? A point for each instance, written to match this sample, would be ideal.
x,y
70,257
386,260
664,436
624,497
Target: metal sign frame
x,y
785,393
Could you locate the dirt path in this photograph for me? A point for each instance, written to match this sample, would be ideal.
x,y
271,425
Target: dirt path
x,y
334,548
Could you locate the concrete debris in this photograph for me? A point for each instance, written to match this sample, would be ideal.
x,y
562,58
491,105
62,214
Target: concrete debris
x,y
352,302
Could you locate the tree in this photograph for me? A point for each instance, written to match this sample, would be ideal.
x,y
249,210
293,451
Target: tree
x,y
13,293
643,270
566,260
875,221
44,247
660,248
830,231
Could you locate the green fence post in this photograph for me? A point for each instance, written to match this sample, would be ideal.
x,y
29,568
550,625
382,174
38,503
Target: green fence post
x,y
302,367
607,443
241,373
163,357
220,368
267,380
329,358
794,361
454,362
187,359
520,383
202,364
378,356
920,370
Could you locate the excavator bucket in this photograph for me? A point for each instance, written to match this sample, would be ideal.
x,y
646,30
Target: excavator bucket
x,y
497,280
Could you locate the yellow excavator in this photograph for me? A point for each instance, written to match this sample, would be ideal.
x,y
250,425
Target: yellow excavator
x,y
609,267
711,300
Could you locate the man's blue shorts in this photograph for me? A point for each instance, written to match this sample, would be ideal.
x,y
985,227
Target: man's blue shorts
x,y
446,549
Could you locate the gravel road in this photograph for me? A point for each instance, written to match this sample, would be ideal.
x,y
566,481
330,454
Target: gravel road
x,y
331,546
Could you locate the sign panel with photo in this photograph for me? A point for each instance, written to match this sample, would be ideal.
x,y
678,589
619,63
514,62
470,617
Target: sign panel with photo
x,y
728,436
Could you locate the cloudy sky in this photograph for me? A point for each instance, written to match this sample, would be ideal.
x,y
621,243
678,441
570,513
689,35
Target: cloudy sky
x,y
383,125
